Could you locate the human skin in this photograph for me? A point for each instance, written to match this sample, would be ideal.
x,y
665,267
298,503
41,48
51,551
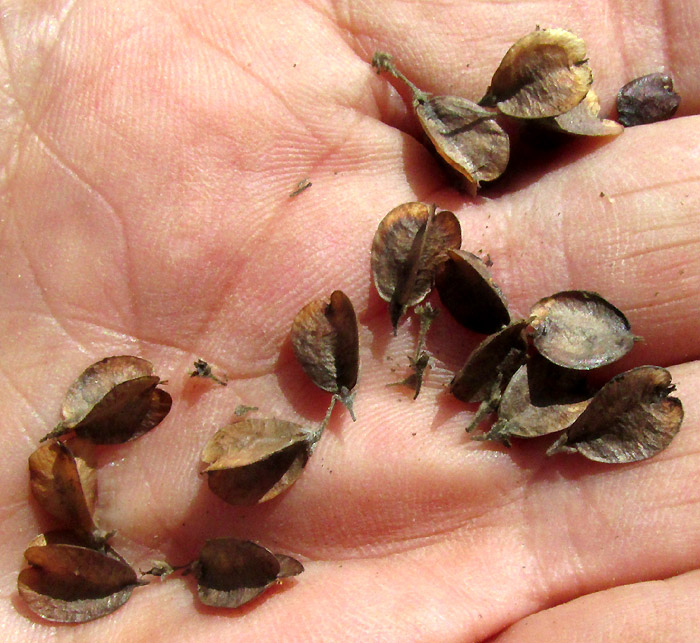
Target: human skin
x,y
148,153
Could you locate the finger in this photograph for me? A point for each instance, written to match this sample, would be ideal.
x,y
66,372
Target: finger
x,y
622,220
651,611
454,49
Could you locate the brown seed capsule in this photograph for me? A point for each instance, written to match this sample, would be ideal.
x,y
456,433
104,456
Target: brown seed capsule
x,y
489,369
325,341
463,133
68,583
113,401
65,485
467,290
584,120
647,100
543,74
493,362
631,418
410,242
541,398
467,137
231,573
254,460
579,329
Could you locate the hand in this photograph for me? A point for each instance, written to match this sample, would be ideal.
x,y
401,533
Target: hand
x,y
149,151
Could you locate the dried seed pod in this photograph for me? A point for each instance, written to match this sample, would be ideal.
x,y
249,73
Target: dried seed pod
x,y
325,341
230,572
254,460
493,362
489,369
579,329
65,485
630,419
467,290
410,242
113,401
72,584
541,398
543,74
584,120
467,137
463,133
647,99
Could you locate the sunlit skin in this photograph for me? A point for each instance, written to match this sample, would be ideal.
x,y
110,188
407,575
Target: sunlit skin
x,y
148,154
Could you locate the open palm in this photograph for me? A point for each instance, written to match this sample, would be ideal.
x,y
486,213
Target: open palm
x,y
149,151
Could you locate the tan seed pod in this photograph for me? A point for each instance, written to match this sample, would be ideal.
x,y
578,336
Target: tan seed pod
x,y
464,134
580,329
467,136
113,401
493,362
543,74
631,418
231,573
65,484
541,398
254,460
467,290
67,583
325,341
410,242
584,120
489,369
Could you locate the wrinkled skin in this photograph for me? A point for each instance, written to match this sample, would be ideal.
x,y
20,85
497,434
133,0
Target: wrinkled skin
x,y
148,153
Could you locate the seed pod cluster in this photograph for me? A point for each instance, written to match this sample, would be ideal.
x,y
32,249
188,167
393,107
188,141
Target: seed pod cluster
x,y
543,78
543,390
530,371
73,575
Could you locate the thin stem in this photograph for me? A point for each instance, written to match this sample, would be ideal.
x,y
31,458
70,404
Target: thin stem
x,y
204,369
498,433
489,405
163,569
427,315
56,433
316,435
382,61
